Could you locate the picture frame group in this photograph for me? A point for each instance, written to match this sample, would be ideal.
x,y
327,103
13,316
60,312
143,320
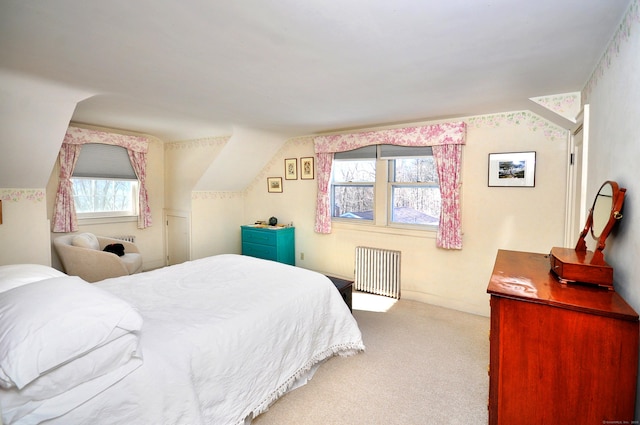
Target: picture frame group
x,y
292,172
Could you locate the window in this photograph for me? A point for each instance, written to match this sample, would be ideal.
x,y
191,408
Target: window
x,y
352,189
406,183
104,182
414,191
353,178
105,198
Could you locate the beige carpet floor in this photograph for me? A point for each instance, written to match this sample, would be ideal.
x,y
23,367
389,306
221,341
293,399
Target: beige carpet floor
x,y
423,365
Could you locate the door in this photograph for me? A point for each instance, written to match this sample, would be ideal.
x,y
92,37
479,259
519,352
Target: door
x,y
178,240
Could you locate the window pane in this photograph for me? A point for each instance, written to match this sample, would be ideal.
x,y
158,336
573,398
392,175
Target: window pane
x,y
105,196
415,205
354,171
352,201
350,198
415,170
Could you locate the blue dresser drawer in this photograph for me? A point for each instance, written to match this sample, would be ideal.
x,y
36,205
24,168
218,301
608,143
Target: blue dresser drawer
x,y
261,251
258,236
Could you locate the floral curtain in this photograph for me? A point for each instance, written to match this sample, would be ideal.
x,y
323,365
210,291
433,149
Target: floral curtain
x,y
445,134
64,216
64,210
448,160
139,163
323,202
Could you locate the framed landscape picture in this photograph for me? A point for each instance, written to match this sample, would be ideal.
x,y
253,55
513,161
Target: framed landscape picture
x,y
274,184
512,169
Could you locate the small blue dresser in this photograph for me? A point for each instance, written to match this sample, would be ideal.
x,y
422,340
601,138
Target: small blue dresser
x,y
270,243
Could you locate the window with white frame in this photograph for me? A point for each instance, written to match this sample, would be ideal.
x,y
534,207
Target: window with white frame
x,y
413,189
409,186
353,178
104,182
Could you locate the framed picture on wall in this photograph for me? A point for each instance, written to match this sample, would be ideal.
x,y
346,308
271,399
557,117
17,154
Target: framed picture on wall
x,y
274,184
306,168
512,169
291,169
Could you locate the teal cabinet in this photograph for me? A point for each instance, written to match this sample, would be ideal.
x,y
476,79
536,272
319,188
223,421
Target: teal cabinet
x,y
269,243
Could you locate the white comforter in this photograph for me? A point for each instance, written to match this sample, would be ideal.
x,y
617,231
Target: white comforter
x,y
223,338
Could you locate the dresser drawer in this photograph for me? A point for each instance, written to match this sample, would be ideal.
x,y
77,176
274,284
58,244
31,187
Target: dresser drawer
x,y
556,266
259,237
260,251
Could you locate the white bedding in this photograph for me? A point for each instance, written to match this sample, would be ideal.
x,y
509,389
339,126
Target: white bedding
x,y
223,337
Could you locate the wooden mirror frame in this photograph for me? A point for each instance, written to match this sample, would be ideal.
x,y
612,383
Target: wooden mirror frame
x,y
617,199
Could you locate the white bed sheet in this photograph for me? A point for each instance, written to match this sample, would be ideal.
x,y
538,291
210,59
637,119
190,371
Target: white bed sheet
x,y
223,338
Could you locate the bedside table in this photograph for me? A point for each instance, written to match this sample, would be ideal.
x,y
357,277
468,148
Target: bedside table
x,y
345,289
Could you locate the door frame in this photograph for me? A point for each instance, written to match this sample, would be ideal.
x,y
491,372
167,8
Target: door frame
x,y
577,158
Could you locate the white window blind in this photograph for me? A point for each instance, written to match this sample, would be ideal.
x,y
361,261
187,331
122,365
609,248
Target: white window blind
x,y
366,152
385,152
393,151
99,160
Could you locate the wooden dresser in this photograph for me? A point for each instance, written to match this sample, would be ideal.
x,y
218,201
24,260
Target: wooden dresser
x,y
560,354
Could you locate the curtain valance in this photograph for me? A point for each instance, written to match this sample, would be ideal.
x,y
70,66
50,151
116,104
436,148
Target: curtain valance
x,y
81,136
430,135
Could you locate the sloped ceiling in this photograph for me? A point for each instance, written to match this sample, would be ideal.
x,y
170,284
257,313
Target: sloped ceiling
x,y
192,68
197,68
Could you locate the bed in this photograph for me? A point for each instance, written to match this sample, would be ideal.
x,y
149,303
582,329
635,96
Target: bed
x,y
211,341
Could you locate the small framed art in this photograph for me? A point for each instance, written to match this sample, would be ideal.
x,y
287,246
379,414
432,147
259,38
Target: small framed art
x,y
306,168
512,169
274,184
291,169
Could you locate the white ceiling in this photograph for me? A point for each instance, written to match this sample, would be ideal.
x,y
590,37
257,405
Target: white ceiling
x,y
198,68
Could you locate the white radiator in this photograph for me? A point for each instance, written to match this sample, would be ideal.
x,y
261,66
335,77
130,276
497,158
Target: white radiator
x,y
377,271
128,238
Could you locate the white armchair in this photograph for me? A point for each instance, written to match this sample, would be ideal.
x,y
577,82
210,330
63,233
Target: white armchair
x,y
82,255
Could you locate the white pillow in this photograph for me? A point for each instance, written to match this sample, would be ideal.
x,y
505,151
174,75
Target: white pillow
x,y
86,240
15,275
15,409
51,322
66,387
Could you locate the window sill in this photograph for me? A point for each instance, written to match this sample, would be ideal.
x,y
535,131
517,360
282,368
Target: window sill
x,y
107,220
429,233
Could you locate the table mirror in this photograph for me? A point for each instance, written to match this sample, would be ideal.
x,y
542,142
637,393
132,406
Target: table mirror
x,y
581,264
603,215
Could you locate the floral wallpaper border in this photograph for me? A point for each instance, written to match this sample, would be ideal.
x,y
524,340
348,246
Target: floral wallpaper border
x,y
526,118
629,23
197,143
212,195
567,105
17,195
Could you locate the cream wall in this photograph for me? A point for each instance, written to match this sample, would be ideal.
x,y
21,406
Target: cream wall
x,y
614,148
24,232
529,219
613,94
185,163
150,241
216,220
